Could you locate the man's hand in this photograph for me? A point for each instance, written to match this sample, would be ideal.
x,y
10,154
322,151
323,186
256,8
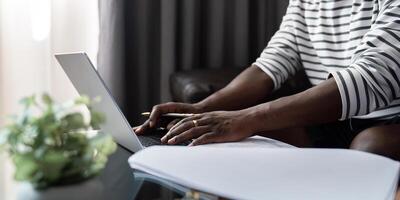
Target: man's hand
x,y
212,127
165,108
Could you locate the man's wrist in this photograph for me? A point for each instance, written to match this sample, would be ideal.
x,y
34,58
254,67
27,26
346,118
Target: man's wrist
x,y
200,107
257,116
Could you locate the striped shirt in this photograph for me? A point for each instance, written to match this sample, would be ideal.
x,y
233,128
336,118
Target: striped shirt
x,y
355,41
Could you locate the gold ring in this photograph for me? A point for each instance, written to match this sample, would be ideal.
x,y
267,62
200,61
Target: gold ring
x,y
195,123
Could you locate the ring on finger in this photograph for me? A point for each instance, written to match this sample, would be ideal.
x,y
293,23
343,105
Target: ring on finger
x,y
195,123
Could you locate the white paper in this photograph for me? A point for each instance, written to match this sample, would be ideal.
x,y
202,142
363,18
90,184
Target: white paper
x,y
273,173
253,142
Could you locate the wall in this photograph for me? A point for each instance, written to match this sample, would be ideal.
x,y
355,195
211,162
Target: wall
x,y
31,32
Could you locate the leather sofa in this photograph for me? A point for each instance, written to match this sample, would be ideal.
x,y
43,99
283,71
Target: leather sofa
x,y
194,85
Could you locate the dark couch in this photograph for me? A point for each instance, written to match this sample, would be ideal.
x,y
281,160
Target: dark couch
x,y
195,85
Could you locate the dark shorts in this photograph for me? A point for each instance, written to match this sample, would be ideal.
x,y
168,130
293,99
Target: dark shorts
x,y
340,134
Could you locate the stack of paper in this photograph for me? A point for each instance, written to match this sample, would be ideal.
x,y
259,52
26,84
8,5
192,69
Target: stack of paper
x,y
273,173
253,142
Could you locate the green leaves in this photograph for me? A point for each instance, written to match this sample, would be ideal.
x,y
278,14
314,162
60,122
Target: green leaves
x,y
73,121
25,165
28,101
51,147
52,164
47,99
97,118
82,100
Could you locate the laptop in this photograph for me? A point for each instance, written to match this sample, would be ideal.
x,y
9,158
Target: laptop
x,y
87,81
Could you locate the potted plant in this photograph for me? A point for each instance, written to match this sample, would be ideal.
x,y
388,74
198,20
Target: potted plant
x,y
54,146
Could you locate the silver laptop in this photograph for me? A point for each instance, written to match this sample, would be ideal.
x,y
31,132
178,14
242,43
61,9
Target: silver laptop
x,y
87,81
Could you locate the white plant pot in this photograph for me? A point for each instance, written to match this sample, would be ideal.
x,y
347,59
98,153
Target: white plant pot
x,y
89,189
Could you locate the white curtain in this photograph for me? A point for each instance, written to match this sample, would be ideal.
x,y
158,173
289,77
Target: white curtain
x,y
31,32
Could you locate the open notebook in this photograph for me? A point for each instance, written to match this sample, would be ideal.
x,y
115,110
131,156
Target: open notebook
x,y
248,170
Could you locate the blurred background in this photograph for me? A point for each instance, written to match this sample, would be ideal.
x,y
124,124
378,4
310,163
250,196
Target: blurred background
x,y
31,31
135,44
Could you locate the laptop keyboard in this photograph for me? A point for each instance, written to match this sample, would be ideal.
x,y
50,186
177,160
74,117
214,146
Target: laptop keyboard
x,y
149,141
155,139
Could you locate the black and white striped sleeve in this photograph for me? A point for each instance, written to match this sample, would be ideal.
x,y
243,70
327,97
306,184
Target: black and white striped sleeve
x,y
280,59
371,81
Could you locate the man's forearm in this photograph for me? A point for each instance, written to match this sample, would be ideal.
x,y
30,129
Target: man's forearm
x,y
319,104
249,88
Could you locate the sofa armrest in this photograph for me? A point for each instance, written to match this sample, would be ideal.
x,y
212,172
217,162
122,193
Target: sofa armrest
x,y
195,85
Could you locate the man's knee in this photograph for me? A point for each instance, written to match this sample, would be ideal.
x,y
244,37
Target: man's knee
x,y
382,140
